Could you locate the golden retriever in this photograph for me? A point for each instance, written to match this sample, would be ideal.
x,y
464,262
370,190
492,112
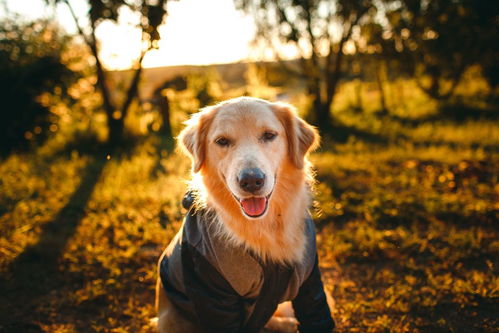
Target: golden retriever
x,y
251,174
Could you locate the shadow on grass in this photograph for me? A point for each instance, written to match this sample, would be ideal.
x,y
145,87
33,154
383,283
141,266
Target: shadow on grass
x,y
489,148
453,112
461,113
85,144
341,133
478,314
35,272
89,144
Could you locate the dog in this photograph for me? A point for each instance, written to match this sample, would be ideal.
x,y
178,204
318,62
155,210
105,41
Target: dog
x,y
245,259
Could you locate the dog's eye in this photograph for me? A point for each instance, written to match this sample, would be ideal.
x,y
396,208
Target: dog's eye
x,y
268,136
222,142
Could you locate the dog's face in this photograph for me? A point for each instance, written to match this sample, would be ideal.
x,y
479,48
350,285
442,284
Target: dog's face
x,y
246,141
246,144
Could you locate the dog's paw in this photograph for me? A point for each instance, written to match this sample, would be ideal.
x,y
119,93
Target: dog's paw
x,y
282,324
153,322
289,325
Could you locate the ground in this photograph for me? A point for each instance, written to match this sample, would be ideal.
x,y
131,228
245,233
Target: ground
x,y
406,211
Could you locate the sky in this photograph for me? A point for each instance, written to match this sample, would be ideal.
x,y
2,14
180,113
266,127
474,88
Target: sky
x,y
196,32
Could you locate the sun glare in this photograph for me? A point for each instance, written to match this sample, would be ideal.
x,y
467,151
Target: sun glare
x,y
195,32
202,32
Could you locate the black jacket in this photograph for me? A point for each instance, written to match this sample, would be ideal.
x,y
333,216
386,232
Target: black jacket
x,y
225,288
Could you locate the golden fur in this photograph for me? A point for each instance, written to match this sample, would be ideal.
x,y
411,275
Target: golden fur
x,y
278,234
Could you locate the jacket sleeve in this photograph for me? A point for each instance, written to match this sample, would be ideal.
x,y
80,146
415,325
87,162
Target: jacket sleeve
x,y
217,305
310,305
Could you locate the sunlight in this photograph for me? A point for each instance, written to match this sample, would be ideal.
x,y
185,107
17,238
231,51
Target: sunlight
x,y
202,32
195,32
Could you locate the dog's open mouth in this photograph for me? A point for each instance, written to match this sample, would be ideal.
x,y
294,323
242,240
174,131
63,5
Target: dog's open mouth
x,y
254,206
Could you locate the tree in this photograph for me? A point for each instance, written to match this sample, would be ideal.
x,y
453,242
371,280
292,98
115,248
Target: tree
x,y
160,98
443,38
151,14
318,30
375,52
30,65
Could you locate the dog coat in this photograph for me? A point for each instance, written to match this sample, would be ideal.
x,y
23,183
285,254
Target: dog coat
x,y
226,288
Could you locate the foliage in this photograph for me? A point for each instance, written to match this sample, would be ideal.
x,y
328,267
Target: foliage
x,y
443,38
435,42
318,32
151,15
207,87
30,65
256,83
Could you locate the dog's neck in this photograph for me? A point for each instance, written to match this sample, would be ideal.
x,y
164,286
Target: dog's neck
x,y
279,235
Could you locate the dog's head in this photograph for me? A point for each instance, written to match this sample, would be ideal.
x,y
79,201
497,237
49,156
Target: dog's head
x,y
245,142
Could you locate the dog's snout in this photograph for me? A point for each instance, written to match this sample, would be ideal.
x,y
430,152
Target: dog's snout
x,y
251,180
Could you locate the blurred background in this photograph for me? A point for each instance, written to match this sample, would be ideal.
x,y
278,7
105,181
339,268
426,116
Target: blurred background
x,y
405,95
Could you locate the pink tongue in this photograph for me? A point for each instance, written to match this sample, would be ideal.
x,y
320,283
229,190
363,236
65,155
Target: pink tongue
x,y
254,206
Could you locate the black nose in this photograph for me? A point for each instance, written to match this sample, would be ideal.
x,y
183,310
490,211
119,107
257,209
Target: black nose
x,y
251,180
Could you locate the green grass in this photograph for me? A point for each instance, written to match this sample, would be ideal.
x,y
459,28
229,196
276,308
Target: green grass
x,y
405,205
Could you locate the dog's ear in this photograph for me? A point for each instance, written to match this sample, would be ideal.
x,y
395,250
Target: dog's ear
x,y
301,136
192,138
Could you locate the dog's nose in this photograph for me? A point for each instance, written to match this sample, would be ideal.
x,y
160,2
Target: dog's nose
x,y
251,180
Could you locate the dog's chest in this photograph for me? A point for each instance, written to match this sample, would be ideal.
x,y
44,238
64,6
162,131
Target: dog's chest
x,y
242,269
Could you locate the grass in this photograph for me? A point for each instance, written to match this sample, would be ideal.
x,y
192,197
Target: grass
x,y
99,275
413,243
406,210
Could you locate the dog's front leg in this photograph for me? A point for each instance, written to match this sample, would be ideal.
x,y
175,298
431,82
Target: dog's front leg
x,y
283,319
169,319
282,324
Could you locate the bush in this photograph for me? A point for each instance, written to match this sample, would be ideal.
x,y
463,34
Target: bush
x,y
30,65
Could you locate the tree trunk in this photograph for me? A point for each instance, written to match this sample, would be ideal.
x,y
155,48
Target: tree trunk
x,y
115,118
116,128
381,90
320,113
434,90
164,108
313,89
324,118
133,89
333,75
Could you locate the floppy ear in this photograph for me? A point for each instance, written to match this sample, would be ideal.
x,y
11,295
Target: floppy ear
x,y
192,139
301,136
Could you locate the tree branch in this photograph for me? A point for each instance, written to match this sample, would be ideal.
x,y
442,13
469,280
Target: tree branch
x,y
75,19
101,76
134,85
333,72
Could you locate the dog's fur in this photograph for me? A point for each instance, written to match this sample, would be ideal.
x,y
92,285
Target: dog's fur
x,y
278,235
